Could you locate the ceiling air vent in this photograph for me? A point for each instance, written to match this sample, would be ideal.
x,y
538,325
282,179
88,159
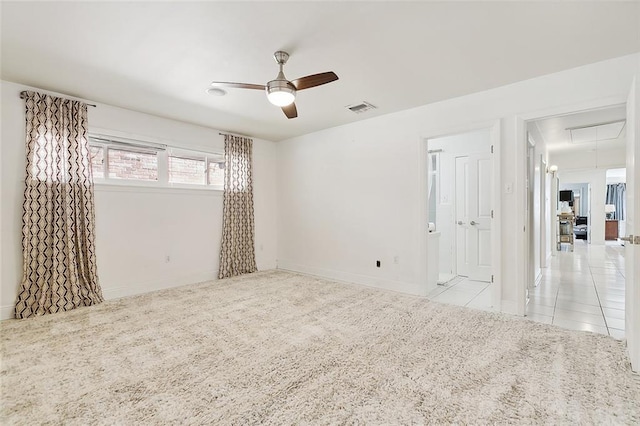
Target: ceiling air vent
x,y
361,107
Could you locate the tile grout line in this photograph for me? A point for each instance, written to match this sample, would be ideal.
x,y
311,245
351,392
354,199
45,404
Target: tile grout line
x,y
446,287
555,302
477,295
595,287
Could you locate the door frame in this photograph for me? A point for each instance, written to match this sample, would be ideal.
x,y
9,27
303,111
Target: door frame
x,y
521,239
632,266
544,208
494,127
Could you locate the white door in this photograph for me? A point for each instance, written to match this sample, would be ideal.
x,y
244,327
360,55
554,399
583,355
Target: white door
x,y
462,216
632,248
473,216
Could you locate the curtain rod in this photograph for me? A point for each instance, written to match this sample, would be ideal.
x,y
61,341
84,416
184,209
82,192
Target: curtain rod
x,y
24,91
234,134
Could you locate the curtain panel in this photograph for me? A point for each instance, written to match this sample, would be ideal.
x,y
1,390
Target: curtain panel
x,y
616,196
58,221
237,251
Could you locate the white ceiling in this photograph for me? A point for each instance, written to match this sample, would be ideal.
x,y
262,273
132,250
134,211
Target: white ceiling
x,y
159,57
557,136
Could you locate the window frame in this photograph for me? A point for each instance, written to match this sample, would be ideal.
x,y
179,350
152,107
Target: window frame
x,y
163,152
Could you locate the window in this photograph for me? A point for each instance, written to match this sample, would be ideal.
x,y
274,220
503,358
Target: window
x,y
216,172
132,164
141,162
187,170
195,168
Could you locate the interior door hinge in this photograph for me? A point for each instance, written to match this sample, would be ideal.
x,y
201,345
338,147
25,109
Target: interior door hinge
x,y
491,214
492,149
491,278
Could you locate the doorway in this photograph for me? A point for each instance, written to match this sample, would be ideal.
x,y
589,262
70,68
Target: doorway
x,y
578,204
460,212
583,287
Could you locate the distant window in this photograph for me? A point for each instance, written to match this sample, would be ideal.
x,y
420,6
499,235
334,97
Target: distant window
x,y
137,161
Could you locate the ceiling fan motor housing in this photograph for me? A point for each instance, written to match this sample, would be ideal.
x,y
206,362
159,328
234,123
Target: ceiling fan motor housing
x,y
280,92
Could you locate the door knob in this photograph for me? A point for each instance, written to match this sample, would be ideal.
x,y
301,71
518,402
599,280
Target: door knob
x,y
628,239
473,222
460,222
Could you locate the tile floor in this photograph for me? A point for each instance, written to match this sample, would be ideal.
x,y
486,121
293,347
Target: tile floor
x,y
580,290
464,292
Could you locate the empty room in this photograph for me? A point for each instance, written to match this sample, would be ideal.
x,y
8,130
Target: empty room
x,y
316,212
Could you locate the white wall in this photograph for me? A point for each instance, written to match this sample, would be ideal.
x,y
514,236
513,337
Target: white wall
x,y
353,194
137,227
616,176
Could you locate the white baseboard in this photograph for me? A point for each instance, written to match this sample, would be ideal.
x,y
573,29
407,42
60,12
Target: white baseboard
x,y
110,293
509,307
7,312
348,277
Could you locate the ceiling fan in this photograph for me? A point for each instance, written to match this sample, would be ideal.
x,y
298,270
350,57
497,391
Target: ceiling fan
x,y
282,92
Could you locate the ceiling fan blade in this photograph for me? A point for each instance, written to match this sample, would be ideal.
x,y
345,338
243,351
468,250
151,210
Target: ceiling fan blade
x,y
314,80
290,110
237,85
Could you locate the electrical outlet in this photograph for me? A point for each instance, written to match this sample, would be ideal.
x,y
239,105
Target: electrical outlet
x,y
167,259
396,259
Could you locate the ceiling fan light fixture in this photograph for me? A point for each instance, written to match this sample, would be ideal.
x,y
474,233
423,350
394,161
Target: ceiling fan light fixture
x,y
280,92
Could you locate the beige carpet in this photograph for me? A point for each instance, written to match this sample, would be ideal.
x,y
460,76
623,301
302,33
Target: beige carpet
x,y
280,348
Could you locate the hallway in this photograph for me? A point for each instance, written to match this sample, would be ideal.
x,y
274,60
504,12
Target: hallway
x,y
583,290
580,290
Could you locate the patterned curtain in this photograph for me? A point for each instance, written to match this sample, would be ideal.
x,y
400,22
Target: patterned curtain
x,y
237,252
58,226
616,196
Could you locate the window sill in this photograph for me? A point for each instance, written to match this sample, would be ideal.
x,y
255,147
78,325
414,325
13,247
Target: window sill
x,y
129,186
